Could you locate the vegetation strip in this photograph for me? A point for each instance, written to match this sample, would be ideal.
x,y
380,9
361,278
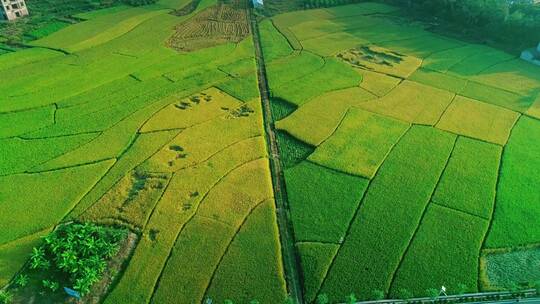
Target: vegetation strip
x,y
290,258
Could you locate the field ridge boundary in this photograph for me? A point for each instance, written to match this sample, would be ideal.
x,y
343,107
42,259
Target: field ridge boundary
x,y
356,212
235,235
404,254
191,217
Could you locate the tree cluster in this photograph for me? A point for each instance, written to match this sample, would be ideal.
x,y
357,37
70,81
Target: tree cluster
x,y
511,22
139,2
76,255
514,24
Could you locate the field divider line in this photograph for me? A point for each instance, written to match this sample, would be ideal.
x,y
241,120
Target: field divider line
x,y
445,109
529,116
63,220
115,182
341,120
22,137
316,242
217,152
280,31
183,226
492,215
334,169
301,77
347,233
70,166
357,211
121,154
157,202
291,259
459,211
422,217
212,277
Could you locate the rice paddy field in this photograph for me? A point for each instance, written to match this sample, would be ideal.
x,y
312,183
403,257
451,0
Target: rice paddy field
x,y
410,158
422,149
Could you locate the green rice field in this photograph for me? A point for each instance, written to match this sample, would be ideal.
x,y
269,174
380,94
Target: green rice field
x,y
410,159
431,153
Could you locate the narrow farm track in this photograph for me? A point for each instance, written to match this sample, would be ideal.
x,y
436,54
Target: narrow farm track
x,y
291,261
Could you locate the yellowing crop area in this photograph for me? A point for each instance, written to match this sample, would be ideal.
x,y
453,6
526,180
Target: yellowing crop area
x,y
119,129
424,151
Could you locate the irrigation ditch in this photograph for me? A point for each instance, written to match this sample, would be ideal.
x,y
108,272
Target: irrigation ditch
x,y
291,262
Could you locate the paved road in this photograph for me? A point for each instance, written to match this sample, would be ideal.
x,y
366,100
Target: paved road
x,y
290,258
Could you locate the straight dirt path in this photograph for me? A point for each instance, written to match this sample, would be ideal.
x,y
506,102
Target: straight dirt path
x,y
290,258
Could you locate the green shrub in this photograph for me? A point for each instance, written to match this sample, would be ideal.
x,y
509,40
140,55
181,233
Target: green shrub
x,y
50,285
5,297
21,280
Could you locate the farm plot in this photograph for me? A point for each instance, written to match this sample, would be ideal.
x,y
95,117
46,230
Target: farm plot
x,y
389,214
470,100
360,143
123,130
444,252
503,267
151,120
224,22
322,114
479,120
468,183
516,208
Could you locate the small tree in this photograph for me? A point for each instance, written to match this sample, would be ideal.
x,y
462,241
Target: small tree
x,y
228,302
5,297
51,285
254,302
432,293
322,299
378,294
21,280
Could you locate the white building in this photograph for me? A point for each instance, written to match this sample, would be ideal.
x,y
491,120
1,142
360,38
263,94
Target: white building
x,y
13,9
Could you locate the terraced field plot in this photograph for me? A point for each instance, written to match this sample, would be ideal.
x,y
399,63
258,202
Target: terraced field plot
x,y
421,154
119,129
410,159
